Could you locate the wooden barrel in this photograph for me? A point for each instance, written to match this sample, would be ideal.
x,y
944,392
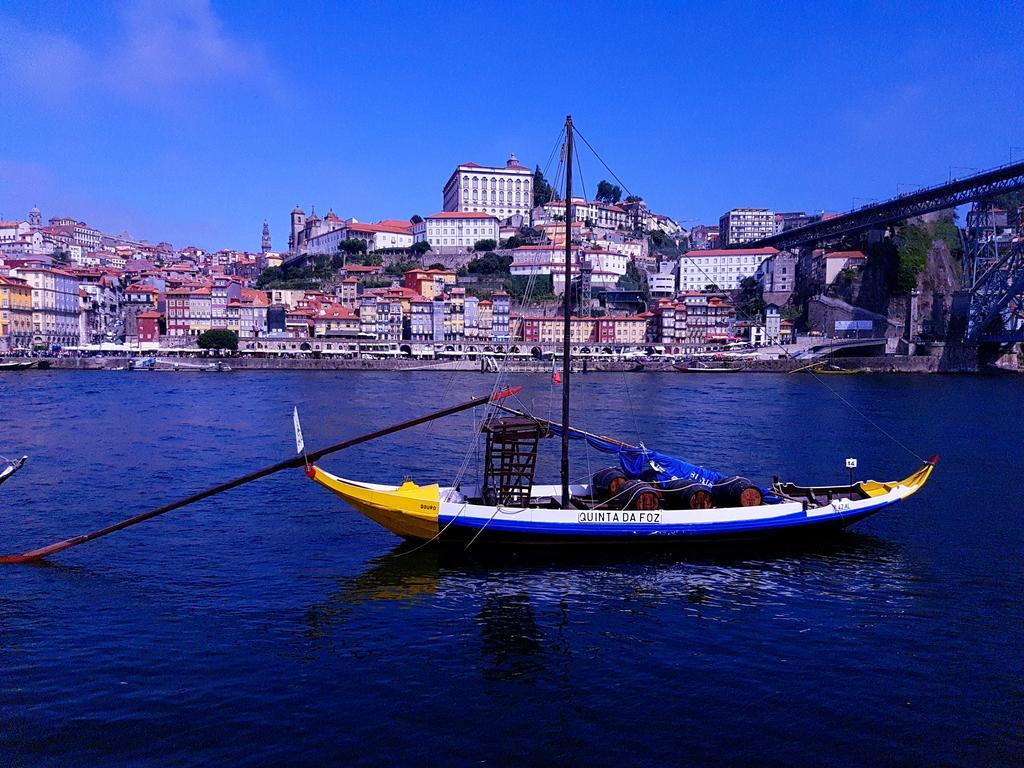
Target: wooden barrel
x,y
606,483
685,494
635,494
736,492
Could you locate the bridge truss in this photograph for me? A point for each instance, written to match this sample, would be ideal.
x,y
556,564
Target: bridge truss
x,y
993,276
981,186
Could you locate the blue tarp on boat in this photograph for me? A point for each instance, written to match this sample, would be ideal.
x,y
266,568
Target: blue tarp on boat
x,y
640,461
637,461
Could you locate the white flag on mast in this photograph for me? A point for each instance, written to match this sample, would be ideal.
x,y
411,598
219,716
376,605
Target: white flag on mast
x,y
300,446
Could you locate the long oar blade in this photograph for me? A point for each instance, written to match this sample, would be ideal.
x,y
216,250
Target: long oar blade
x,y
297,461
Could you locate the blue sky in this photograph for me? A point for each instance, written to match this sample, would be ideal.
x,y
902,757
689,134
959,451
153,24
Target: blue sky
x,y
192,122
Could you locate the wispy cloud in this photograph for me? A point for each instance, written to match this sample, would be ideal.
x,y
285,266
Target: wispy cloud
x,y
162,50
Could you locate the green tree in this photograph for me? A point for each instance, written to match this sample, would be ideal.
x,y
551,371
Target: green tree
x,y
608,193
913,244
542,191
437,265
515,242
268,276
416,218
634,280
400,267
947,231
323,267
350,250
490,263
482,246
749,303
217,338
420,248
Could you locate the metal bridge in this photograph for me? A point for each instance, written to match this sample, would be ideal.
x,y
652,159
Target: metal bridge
x,y
992,286
1005,178
990,305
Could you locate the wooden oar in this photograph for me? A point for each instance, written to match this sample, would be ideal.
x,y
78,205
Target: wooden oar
x,y
297,461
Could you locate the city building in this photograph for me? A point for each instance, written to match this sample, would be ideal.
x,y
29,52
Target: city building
x,y
723,268
383,236
772,325
591,213
549,261
15,314
601,330
137,299
450,231
55,304
826,266
703,237
500,314
501,192
429,282
709,318
669,322
741,225
149,328
661,284
336,320
101,318
776,275
253,306
179,316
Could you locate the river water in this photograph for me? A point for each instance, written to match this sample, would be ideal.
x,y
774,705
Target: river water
x,y
272,625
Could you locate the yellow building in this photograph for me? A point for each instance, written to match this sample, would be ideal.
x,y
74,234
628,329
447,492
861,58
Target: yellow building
x,y
15,313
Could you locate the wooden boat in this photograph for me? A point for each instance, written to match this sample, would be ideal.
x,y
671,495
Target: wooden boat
x,y
11,466
17,365
649,498
431,511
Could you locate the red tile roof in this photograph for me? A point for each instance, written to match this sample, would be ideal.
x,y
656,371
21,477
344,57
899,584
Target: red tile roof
x,y
336,312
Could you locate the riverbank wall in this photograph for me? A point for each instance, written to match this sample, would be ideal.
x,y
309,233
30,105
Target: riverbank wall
x,y
918,364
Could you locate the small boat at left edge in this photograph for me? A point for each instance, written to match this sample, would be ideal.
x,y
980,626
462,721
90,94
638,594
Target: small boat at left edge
x,y
10,467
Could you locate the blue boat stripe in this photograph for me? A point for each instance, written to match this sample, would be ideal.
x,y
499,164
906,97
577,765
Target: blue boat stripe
x,y
796,519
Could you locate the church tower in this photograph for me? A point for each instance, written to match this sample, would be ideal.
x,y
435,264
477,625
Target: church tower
x,y
265,246
298,224
35,218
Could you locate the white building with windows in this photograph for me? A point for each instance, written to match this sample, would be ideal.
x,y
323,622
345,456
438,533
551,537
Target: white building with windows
x,y
594,213
452,230
741,225
383,236
549,260
725,267
501,192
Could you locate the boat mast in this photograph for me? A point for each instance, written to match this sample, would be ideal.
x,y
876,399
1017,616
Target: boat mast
x,y
566,312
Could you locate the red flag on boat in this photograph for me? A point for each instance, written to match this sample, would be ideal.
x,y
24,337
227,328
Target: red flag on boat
x,y
556,377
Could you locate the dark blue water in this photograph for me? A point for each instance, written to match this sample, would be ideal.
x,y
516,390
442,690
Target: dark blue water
x,y
274,626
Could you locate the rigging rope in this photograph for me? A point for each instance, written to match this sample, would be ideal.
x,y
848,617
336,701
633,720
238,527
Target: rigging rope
x,y
777,344
827,386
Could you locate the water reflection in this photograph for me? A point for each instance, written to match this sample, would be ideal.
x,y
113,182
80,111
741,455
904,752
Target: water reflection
x,y
504,589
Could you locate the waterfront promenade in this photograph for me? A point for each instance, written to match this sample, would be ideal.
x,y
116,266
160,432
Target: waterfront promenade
x,y
887,364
